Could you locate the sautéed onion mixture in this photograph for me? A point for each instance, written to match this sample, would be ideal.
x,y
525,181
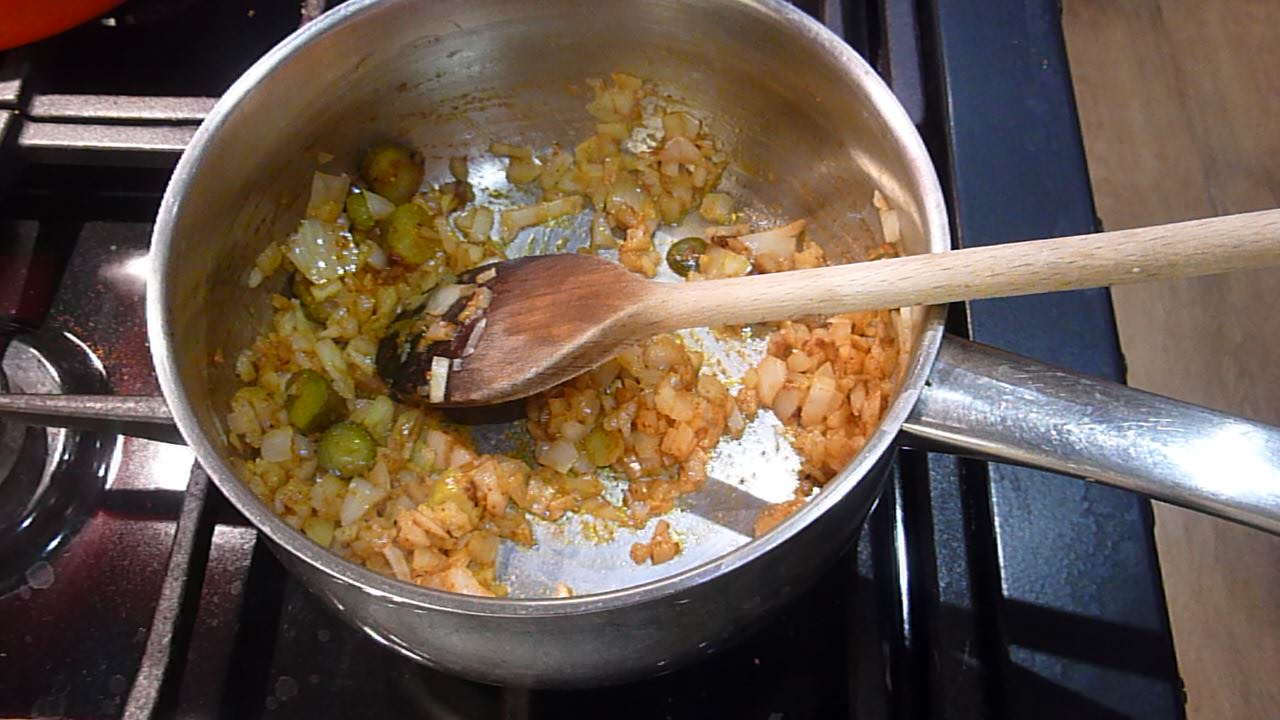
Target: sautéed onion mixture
x,y
388,483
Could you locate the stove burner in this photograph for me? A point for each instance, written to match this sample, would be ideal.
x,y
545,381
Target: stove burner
x,y
49,477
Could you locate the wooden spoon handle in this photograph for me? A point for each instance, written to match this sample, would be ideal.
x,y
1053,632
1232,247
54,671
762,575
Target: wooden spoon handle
x,y
1197,247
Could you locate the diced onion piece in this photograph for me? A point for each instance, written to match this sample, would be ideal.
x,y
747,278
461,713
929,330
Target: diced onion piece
x,y
720,231
326,290
277,445
717,262
443,297
335,366
787,402
520,152
601,233
439,379
717,208
320,252
625,193
460,580
559,455
680,124
320,530
304,447
889,223
399,564
376,416
680,149
486,275
779,242
772,373
515,220
458,168
361,496
483,224
268,260
328,194
379,207
474,339
377,257
520,171
822,400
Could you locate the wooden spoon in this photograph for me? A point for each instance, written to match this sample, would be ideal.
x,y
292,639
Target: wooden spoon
x,y
552,317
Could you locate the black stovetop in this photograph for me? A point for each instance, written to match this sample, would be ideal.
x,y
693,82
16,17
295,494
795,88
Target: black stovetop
x,y
975,589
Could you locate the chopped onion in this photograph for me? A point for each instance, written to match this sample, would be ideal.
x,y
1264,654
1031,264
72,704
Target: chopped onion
x,y
680,124
520,171
487,275
521,152
319,251
780,242
460,456
304,446
379,207
772,373
325,291
376,415
268,260
443,297
475,223
399,564
717,207
439,378
328,193
735,422
458,168
573,431
335,366
361,495
601,233
625,192
474,339
889,224
822,400
439,442
558,455
680,149
720,231
377,257
717,262
516,219
460,580
277,445
788,400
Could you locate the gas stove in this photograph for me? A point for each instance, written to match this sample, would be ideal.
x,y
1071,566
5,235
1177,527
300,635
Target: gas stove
x,y
129,588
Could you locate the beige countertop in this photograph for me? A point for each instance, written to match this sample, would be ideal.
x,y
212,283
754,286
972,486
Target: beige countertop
x,y
1179,105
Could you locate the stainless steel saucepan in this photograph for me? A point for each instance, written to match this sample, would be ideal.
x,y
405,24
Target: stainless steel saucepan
x,y
811,130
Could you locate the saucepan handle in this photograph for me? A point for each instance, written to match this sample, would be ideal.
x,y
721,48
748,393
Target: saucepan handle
x,y
133,415
986,403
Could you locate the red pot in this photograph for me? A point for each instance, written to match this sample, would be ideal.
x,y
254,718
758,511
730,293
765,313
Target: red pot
x,y
26,21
